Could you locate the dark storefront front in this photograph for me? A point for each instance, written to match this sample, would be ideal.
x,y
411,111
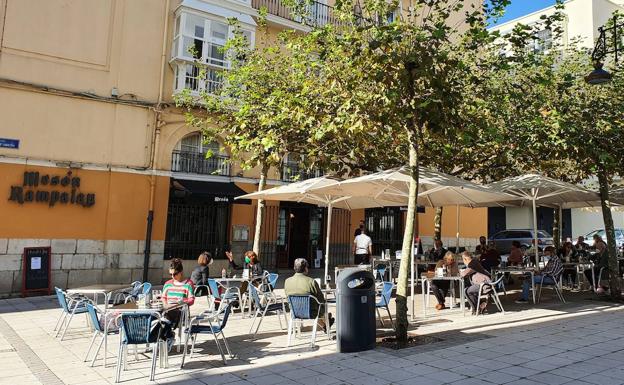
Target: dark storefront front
x,y
198,217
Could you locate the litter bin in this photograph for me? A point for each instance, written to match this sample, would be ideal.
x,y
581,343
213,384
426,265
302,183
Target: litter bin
x,y
355,308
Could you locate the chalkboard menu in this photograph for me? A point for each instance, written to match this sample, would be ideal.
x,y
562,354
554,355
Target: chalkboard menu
x,y
36,270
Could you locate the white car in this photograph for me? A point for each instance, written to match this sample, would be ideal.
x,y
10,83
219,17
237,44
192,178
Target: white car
x,y
589,237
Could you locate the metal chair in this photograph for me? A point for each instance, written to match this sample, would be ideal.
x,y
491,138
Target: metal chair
x,y
229,294
490,289
384,301
142,288
381,271
492,292
136,329
594,283
196,327
300,310
272,280
69,307
262,309
98,330
556,286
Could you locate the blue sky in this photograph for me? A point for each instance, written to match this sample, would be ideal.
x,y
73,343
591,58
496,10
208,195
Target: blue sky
x,y
523,7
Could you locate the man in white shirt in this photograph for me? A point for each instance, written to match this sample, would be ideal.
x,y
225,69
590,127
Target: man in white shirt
x,y
362,248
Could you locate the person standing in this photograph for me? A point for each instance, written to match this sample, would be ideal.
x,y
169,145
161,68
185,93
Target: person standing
x,y
362,248
358,231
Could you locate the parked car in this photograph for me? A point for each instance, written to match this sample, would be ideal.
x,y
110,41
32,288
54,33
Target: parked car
x,y
619,237
504,238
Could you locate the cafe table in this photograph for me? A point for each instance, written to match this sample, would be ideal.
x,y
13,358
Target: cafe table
x,y
106,291
522,270
426,280
327,292
227,283
133,307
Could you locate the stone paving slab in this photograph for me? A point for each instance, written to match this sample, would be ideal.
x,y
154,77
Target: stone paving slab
x,y
581,342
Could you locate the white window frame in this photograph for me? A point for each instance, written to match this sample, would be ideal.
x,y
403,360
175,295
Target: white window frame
x,y
212,66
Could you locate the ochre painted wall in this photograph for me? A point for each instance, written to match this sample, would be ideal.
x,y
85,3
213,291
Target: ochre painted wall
x,y
472,222
119,212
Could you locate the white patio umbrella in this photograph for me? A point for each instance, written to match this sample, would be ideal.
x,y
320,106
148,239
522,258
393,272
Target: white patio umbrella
x,y
543,191
318,191
435,189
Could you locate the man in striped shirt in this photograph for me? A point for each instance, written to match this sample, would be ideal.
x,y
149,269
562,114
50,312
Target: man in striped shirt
x,y
548,276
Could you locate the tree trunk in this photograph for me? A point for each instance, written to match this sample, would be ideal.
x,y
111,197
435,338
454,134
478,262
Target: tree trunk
x,y
556,230
260,211
614,271
437,223
402,323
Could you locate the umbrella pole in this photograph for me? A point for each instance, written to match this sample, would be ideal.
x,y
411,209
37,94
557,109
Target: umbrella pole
x,y
537,261
327,237
457,240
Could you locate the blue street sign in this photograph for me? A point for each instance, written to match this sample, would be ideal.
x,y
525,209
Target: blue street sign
x,y
9,143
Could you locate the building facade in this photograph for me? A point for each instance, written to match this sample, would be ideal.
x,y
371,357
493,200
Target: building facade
x,y
98,164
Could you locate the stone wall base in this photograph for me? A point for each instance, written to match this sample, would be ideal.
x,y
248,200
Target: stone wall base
x,y
81,262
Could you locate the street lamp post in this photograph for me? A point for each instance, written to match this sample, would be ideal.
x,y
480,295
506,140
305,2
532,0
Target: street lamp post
x,y
601,50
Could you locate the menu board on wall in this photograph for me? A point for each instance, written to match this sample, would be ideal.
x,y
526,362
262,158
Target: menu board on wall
x,y
36,270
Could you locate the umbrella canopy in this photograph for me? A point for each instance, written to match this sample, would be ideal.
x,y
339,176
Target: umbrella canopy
x,y
546,191
309,191
543,191
435,189
318,191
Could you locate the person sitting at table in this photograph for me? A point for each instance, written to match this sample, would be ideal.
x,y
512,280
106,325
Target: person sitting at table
x,y
598,239
490,258
201,273
581,245
601,261
482,246
568,254
516,256
554,269
438,252
176,290
440,287
476,275
301,284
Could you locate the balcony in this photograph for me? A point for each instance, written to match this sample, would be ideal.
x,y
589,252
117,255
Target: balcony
x,y
291,172
317,15
197,163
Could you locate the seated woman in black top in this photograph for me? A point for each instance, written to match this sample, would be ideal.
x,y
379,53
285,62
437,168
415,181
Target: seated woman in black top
x,y
200,274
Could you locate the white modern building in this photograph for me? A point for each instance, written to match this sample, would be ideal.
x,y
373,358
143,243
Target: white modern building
x,y
582,19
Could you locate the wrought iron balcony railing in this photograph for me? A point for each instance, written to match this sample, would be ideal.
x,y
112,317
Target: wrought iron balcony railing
x,y
316,13
291,172
197,163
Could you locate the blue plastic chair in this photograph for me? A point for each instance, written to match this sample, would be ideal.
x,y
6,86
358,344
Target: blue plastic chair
x,y
142,288
262,309
300,310
196,327
384,301
69,307
381,271
136,330
272,279
98,330
230,294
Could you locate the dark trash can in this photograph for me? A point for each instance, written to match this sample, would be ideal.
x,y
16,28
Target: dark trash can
x,y
355,308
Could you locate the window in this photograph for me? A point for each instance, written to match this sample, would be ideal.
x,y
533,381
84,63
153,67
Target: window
x,y
201,40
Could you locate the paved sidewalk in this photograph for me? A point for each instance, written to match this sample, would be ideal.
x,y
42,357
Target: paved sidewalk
x,y
581,342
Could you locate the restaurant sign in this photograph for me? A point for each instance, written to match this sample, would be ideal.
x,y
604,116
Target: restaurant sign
x,y
51,189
